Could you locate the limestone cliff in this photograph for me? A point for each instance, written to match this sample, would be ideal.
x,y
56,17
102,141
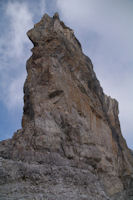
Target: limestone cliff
x,y
70,145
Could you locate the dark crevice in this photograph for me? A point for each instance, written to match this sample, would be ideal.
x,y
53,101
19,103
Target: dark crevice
x,y
28,107
55,93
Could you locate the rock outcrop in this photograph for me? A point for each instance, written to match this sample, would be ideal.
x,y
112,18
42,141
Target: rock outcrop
x,y
70,145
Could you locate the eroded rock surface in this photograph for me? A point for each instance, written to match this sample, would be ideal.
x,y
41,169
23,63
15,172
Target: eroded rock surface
x,y
70,145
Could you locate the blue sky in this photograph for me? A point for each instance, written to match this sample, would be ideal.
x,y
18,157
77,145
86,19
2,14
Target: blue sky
x,y
105,30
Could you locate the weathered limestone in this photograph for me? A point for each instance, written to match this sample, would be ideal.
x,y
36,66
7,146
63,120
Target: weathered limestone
x,y
70,145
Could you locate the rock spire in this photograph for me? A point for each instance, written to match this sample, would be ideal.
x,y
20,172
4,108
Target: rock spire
x,y
70,145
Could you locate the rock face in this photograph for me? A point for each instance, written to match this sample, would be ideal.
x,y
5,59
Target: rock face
x,y
70,145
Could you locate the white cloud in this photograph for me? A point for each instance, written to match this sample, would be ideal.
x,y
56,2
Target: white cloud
x,y
111,20
42,7
14,51
14,99
20,21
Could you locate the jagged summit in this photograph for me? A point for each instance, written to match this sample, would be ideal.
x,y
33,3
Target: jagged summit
x,y
50,28
56,16
70,145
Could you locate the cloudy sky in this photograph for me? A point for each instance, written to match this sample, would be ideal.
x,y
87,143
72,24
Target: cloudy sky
x,y
105,30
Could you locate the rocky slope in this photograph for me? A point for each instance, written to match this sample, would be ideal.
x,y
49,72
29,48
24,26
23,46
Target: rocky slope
x,y
70,145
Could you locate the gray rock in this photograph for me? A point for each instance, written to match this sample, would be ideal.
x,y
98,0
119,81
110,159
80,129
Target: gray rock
x,y
70,145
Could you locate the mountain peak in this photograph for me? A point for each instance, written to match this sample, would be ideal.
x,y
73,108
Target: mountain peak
x,y
70,145
52,28
56,16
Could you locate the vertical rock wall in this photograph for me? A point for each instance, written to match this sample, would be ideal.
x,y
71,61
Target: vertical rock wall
x,y
70,145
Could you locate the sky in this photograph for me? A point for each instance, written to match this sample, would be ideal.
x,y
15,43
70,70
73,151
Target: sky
x,y
103,27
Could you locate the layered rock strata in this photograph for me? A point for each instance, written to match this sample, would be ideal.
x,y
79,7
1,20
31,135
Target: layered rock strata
x,y
70,145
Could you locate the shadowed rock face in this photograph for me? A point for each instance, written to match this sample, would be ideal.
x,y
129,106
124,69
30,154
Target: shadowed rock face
x,y
70,145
